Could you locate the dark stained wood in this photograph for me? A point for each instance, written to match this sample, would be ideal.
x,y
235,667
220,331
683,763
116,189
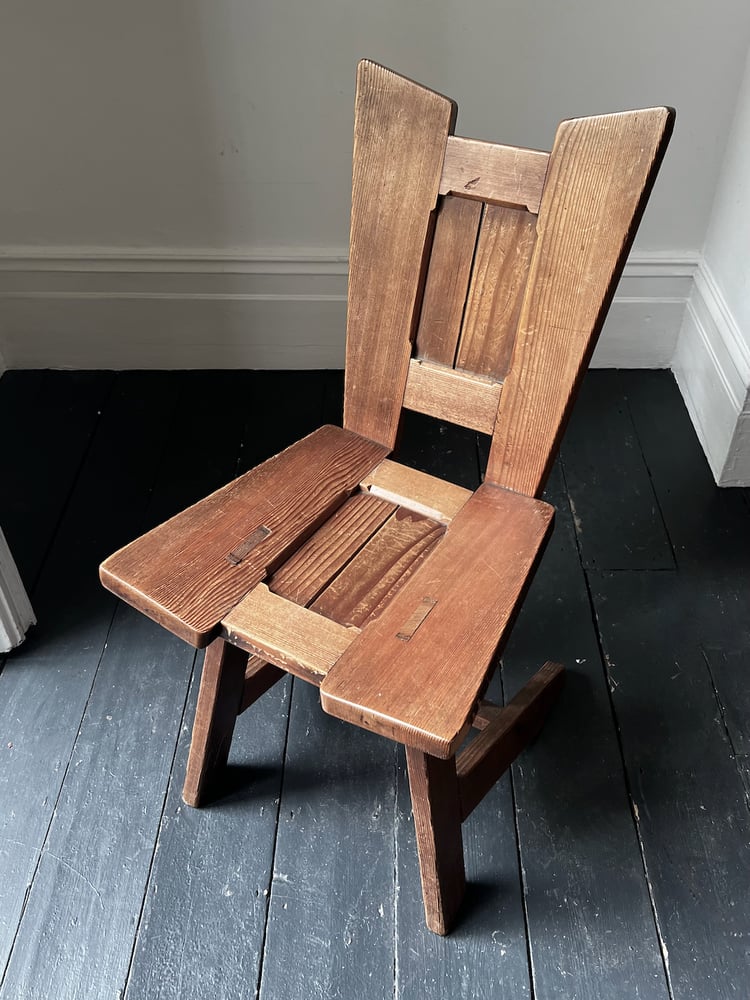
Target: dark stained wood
x,y
437,822
616,513
477,589
690,800
588,218
572,807
79,920
400,131
498,281
447,280
576,831
509,175
46,682
178,573
330,929
211,869
221,691
488,756
368,582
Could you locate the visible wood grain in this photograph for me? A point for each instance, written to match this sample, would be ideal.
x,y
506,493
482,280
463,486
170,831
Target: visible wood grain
x,y
46,683
617,516
416,490
477,574
450,395
690,800
498,281
330,930
488,756
221,691
508,175
573,812
600,174
178,573
289,636
369,581
80,915
437,822
447,280
313,566
211,869
400,133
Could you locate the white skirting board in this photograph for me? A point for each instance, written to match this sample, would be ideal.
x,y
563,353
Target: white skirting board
x,y
712,368
16,614
112,308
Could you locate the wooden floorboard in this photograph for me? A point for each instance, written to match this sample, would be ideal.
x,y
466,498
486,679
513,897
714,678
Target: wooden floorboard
x,y
591,928
330,921
612,863
617,516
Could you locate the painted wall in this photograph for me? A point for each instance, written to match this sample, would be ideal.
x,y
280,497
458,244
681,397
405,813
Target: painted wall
x,y
227,123
712,359
175,175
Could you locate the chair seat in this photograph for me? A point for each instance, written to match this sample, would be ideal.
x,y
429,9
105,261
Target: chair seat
x,y
401,637
190,571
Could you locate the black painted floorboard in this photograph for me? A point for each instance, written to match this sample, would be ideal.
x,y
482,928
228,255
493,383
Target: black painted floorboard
x,y
612,862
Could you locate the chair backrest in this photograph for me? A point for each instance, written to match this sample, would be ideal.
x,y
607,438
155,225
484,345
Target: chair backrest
x,y
479,274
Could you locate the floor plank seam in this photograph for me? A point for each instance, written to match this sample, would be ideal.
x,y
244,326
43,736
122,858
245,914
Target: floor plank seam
x,y
604,662
519,859
737,756
53,813
269,889
647,467
168,788
397,778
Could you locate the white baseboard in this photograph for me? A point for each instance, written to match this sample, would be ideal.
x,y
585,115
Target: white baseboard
x,y
712,368
163,308
16,614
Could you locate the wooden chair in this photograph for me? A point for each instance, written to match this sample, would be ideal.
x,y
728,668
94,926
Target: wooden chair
x,y
480,276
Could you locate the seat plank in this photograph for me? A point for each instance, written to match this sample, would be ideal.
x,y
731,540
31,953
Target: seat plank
x,y
477,576
447,281
379,569
507,175
498,281
314,565
420,492
179,574
283,633
400,133
589,213
447,394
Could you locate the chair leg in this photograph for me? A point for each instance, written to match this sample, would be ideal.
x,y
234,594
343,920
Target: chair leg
x,y
219,699
437,820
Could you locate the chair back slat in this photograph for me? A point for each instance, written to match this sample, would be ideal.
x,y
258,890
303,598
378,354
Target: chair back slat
x,y
600,175
498,283
400,135
447,281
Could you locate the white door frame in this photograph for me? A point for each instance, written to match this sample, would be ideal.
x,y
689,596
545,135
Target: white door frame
x,y
16,614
